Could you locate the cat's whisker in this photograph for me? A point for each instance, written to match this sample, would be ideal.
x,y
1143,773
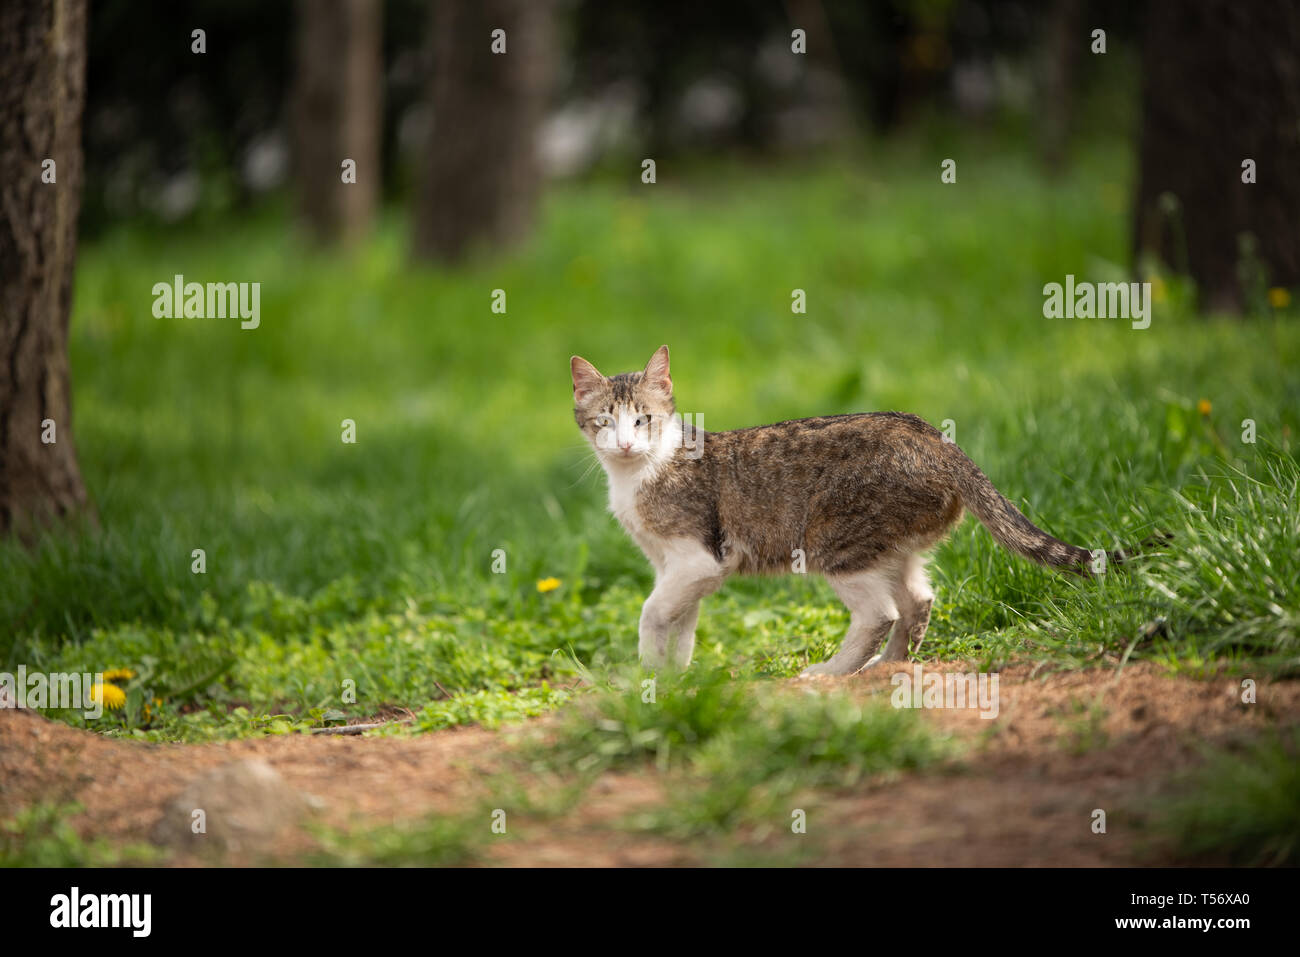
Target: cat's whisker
x,y
591,467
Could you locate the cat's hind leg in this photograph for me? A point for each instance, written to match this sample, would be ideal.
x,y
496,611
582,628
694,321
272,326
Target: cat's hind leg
x,y
914,598
873,612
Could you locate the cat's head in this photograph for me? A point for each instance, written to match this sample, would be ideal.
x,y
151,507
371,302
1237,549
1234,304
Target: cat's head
x,y
626,417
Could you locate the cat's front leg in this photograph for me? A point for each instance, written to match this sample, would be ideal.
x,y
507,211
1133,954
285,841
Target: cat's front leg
x,y
667,629
673,608
652,647
681,637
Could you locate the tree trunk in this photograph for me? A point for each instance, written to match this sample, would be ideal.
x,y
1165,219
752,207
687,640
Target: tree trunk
x,y
337,115
1221,84
482,177
42,92
1065,40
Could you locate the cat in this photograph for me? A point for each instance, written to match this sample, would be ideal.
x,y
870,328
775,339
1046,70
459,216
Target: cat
x,y
857,498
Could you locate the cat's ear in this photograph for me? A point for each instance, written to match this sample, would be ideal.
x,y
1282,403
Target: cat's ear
x,y
656,372
586,377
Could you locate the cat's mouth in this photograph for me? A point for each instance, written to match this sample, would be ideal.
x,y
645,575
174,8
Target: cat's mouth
x,y
623,455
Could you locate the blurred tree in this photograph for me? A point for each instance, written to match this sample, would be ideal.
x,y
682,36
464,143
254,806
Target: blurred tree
x,y
1221,85
338,115
482,176
1063,42
42,92
173,134
876,47
663,48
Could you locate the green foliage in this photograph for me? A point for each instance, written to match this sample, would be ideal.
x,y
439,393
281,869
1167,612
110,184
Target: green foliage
x,y
1241,808
333,566
791,746
665,718
734,752
432,841
1222,587
489,709
42,836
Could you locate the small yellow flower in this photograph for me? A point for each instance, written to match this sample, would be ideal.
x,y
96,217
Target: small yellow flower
x,y
548,584
110,695
1279,298
1158,293
119,674
1204,407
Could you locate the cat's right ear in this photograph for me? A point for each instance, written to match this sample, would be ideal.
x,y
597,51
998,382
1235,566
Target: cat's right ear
x,y
586,378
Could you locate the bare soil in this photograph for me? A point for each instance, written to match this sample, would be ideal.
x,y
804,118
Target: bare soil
x,y
1023,793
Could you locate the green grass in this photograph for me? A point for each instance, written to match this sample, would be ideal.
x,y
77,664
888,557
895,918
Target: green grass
x,y
432,841
745,760
347,579
663,719
1242,807
40,835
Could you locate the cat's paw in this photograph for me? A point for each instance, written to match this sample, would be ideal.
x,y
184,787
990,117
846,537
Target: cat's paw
x,y
870,663
819,670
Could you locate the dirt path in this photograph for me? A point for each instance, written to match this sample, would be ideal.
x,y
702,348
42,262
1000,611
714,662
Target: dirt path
x,y
1023,793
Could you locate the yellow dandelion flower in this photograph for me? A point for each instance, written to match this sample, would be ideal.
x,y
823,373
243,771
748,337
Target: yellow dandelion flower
x,y
1204,407
548,584
119,674
1279,298
110,695
1158,293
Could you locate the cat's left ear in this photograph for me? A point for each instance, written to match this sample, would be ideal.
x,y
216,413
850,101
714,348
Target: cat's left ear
x,y
656,372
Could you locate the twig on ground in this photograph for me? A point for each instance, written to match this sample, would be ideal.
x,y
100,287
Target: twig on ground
x,y
357,728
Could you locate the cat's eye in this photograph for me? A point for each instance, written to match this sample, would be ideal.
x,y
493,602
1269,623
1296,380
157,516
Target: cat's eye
x,y
642,420
603,421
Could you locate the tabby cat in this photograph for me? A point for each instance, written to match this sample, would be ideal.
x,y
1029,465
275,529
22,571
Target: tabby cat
x,y
857,498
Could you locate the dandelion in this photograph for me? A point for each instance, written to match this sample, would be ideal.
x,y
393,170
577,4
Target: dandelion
x,y
1204,407
548,584
1158,292
119,674
109,695
1279,298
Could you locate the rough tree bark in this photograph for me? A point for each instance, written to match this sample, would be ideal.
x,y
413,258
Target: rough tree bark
x,y
337,115
482,178
1221,84
42,93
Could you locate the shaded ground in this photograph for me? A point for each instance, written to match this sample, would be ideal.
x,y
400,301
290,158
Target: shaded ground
x,y
1023,792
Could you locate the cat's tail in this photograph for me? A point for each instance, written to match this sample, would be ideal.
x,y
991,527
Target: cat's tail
x,y
1015,532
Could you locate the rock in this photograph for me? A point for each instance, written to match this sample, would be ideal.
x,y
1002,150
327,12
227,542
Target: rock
x,y
239,807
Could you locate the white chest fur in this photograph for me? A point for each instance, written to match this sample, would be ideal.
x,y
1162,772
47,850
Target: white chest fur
x,y
626,479
624,486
